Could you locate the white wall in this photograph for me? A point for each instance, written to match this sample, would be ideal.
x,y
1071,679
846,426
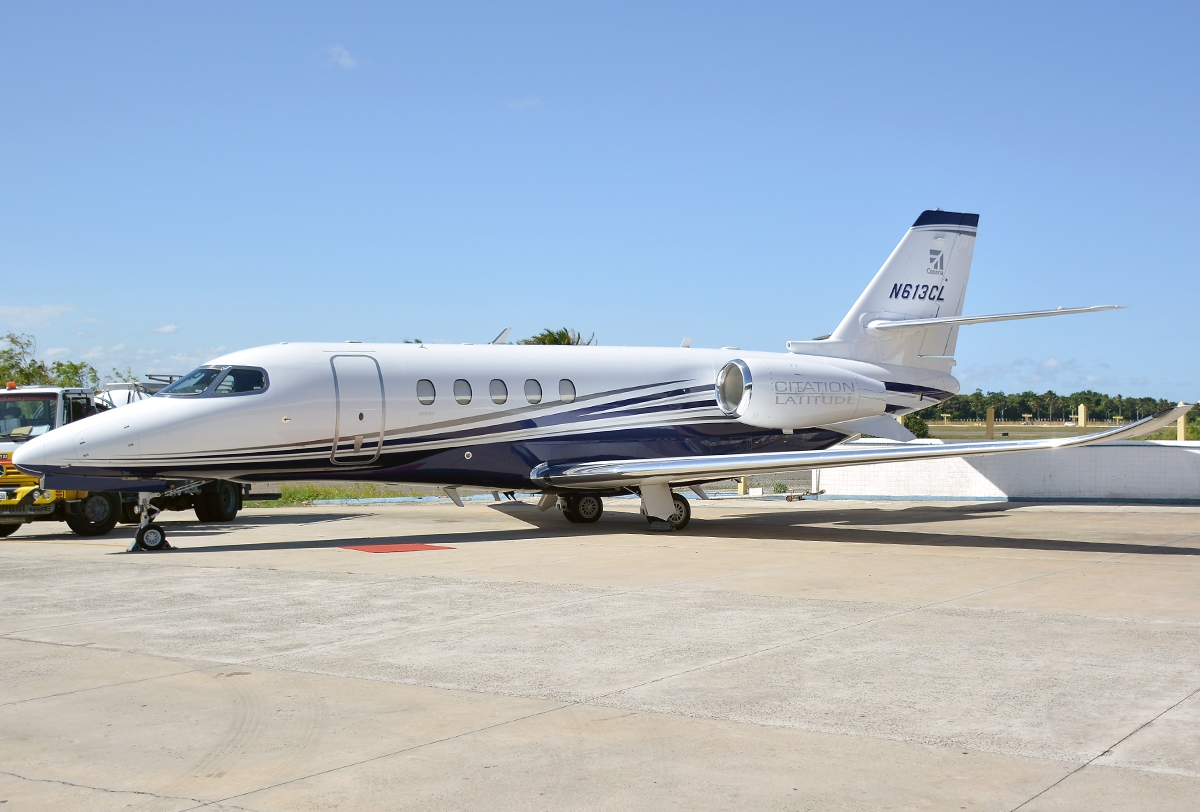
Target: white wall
x,y
1148,471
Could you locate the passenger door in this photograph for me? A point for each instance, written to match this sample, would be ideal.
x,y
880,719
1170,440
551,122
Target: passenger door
x,y
359,414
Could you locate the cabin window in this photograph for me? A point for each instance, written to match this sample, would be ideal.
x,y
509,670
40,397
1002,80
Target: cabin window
x,y
566,391
462,391
533,391
239,380
498,391
195,382
425,392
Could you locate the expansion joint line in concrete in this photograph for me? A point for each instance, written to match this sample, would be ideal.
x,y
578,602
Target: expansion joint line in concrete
x,y
847,627
207,667
62,783
1108,749
409,749
1131,733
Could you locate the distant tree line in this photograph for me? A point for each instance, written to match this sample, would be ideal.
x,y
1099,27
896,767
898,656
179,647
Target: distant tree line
x,y
19,365
1046,406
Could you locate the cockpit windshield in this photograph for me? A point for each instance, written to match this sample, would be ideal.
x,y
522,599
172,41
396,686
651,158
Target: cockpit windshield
x,y
238,380
216,381
195,382
26,415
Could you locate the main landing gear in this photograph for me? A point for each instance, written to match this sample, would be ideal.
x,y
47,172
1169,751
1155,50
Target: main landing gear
x,y
677,520
586,508
581,508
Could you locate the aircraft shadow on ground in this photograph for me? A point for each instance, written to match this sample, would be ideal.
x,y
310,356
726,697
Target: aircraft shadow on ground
x,y
175,527
767,526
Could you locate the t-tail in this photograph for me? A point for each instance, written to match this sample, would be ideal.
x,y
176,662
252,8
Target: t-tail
x,y
910,313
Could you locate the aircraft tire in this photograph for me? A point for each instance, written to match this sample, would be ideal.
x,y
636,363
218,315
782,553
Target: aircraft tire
x,y
682,515
152,537
585,508
97,515
218,506
8,529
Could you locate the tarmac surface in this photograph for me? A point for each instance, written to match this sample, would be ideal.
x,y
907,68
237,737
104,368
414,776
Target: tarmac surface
x,y
771,656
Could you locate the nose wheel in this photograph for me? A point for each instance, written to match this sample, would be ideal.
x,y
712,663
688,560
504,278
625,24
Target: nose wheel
x,y
151,537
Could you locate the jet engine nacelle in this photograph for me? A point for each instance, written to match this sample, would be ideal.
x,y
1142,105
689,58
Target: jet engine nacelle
x,y
787,394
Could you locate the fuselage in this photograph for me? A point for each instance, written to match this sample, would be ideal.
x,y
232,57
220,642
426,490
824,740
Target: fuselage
x,y
471,415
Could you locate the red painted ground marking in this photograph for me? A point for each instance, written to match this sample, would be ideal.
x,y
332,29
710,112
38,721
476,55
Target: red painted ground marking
x,y
396,548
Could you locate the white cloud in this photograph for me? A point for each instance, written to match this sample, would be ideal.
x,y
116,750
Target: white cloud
x,y
339,57
22,317
56,352
527,103
167,328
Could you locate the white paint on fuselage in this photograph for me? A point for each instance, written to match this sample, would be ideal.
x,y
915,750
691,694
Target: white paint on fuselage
x,y
297,410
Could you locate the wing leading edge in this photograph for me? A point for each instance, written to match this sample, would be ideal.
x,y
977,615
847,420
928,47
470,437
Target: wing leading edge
x,y
625,473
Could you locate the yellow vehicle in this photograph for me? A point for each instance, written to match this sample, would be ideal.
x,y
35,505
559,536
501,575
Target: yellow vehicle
x,y
30,411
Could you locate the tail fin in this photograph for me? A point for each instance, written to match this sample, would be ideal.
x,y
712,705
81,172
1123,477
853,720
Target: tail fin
x,y
925,277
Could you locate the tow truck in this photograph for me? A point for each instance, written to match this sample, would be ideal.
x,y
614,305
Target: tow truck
x,y
30,411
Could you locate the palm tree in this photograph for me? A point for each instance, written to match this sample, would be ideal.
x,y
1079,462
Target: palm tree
x,y
563,335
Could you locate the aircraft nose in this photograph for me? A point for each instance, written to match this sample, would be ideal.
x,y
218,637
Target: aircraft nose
x,y
50,451
30,456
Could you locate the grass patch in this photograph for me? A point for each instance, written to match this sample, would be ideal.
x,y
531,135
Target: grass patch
x,y
307,493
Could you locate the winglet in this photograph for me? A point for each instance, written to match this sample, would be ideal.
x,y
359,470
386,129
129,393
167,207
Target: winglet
x,y
500,339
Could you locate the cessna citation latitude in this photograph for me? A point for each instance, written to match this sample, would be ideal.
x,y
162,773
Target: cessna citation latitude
x,y
573,423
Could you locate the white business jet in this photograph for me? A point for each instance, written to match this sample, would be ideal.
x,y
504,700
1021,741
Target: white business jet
x,y
574,423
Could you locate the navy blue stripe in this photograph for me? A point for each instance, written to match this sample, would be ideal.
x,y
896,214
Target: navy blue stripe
x,y
580,416
949,218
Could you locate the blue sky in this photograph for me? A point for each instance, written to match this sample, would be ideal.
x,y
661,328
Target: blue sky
x,y
181,178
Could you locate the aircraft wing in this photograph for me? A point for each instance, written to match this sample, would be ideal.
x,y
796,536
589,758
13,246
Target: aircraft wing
x,y
626,473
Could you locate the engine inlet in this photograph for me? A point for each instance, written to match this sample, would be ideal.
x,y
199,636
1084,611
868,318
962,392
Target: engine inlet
x,y
734,384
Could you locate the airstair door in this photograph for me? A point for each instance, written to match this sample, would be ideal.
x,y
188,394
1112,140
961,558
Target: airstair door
x,y
359,421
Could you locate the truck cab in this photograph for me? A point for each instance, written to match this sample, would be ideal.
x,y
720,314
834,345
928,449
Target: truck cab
x,y
27,412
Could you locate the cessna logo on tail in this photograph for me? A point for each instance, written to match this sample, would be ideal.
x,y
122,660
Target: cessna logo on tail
x,y
937,262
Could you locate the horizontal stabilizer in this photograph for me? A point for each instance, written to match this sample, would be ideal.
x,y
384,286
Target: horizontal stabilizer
x,y
893,326
623,473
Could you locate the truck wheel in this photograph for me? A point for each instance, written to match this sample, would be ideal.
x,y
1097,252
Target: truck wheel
x,y
97,515
219,506
8,529
129,514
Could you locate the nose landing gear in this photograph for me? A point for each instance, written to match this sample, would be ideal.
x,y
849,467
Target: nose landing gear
x,y
149,536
